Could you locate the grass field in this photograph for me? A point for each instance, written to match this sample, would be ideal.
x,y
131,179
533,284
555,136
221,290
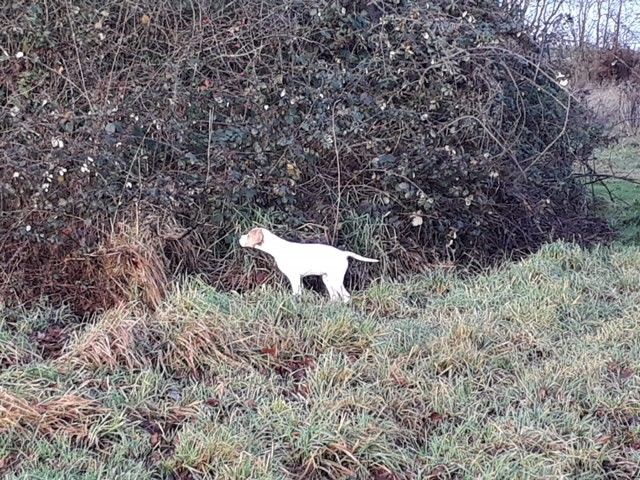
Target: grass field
x,y
529,371
619,201
619,198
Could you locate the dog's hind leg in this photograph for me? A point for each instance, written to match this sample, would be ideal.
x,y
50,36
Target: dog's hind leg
x,y
336,288
333,294
346,298
337,280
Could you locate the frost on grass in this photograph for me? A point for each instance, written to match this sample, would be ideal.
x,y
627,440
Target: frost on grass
x,y
528,370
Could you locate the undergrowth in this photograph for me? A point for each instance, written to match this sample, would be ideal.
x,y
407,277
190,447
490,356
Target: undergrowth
x,y
528,371
418,131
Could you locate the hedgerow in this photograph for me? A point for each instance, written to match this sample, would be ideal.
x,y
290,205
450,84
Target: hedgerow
x,y
437,123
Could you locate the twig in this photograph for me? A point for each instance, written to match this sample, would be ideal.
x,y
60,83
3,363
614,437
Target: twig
x,y
339,179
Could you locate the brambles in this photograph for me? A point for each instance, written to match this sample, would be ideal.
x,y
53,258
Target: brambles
x,y
434,121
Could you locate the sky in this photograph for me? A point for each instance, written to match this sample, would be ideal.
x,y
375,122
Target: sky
x,y
631,16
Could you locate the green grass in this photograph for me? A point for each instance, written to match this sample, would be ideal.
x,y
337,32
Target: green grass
x,y
528,371
619,202
621,158
618,199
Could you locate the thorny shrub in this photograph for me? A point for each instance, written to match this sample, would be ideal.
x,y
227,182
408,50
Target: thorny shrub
x,y
434,120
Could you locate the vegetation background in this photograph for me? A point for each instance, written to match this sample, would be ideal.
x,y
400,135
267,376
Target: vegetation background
x,y
486,151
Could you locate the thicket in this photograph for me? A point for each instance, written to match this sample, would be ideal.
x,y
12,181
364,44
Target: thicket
x,y
138,138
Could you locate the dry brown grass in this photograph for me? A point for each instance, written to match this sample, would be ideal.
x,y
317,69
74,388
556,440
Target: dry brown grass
x,y
93,271
187,342
110,343
616,106
69,414
133,261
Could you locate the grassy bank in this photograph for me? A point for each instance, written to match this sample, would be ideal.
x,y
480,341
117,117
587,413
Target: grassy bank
x,y
529,371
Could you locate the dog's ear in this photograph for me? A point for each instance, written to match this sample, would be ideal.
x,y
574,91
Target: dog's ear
x,y
255,237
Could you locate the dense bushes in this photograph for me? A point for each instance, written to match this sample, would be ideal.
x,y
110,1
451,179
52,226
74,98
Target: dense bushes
x,y
410,129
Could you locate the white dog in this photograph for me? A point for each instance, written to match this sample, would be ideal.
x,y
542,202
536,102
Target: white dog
x,y
297,260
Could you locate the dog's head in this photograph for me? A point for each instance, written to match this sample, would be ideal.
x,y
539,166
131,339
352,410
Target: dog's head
x,y
253,239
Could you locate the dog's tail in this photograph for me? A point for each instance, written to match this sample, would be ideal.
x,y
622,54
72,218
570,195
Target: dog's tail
x,y
361,258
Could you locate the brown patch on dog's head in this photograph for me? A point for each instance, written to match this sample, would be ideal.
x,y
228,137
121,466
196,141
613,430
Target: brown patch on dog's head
x,y
255,237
